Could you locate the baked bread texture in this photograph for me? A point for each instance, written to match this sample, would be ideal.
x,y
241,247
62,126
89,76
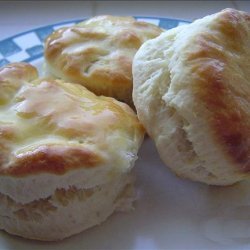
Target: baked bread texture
x,y
98,53
192,93
66,155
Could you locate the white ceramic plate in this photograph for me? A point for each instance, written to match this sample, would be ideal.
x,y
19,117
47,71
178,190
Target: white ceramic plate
x,y
170,213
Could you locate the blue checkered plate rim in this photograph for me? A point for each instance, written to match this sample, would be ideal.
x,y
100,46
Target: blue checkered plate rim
x,y
28,46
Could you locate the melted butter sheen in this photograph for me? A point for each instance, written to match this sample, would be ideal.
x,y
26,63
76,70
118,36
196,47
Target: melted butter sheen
x,y
46,111
50,104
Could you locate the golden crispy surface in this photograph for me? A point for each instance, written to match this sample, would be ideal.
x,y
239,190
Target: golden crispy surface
x,y
98,53
51,126
221,62
192,93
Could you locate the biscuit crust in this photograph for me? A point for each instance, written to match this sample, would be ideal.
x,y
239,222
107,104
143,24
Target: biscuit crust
x,y
98,53
50,126
198,76
64,153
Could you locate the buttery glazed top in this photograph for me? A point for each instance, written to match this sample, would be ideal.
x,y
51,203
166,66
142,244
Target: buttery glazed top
x,y
98,53
51,126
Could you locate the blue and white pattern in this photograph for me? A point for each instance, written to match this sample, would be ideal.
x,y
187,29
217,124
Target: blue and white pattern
x,y
28,46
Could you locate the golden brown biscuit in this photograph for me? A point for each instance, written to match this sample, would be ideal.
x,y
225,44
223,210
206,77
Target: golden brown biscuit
x,y
98,53
192,93
65,153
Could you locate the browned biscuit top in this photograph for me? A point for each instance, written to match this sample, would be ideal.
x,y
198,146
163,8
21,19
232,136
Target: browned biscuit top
x,y
98,53
192,93
220,64
51,126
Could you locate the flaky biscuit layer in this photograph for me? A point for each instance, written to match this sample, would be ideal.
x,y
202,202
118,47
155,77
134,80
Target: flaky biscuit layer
x,y
192,93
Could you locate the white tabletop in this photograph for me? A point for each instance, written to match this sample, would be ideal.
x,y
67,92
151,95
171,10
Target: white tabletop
x,y
19,16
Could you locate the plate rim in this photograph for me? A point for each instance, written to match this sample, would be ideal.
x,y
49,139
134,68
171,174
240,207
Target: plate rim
x,y
35,57
83,19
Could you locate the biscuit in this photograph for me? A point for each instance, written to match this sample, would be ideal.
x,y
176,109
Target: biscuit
x,y
66,155
98,53
192,93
